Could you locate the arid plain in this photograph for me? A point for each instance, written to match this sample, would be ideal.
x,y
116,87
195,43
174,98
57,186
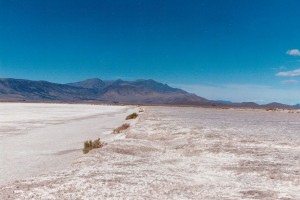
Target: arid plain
x,y
167,153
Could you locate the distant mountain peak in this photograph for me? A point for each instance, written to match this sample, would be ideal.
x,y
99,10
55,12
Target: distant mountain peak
x,y
92,83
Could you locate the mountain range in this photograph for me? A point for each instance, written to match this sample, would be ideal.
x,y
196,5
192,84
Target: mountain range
x,y
114,91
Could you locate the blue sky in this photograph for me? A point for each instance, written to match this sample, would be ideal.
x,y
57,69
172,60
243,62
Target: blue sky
x,y
232,50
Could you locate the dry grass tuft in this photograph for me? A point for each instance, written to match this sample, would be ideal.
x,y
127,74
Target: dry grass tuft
x,y
121,128
132,116
89,145
270,109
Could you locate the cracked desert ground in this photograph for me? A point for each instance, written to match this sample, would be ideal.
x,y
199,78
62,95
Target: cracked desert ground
x,y
167,153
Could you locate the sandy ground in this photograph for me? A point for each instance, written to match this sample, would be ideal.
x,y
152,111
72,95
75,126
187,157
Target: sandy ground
x,y
40,138
183,153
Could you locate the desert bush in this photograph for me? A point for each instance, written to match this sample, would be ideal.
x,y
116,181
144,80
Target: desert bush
x,y
270,109
89,145
141,110
121,128
132,116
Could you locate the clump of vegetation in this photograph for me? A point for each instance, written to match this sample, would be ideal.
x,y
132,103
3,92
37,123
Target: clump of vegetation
x,y
121,128
141,110
270,109
89,145
132,116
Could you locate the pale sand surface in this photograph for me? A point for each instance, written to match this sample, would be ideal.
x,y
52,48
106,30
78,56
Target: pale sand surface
x,y
183,153
39,138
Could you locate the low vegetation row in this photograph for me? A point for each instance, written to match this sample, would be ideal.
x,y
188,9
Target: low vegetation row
x,y
270,109
89,145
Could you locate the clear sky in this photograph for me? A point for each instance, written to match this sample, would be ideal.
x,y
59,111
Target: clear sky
x,y
238,50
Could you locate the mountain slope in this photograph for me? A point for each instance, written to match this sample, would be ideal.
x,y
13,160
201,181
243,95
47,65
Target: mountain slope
x,y
151,94
22,90
146,92
278,105
94,83
139,91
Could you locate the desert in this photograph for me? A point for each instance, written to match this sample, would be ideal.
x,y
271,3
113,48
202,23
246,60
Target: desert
x,y
169,153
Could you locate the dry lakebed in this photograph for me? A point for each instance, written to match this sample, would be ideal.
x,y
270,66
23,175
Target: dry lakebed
x,y
166,153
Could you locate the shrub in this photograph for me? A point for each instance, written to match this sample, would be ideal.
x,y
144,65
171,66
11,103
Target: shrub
x,y
89,145
132,116
121,128
270,109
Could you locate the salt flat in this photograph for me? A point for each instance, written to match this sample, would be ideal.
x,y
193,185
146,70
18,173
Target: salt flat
x,y
183,153
38,138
